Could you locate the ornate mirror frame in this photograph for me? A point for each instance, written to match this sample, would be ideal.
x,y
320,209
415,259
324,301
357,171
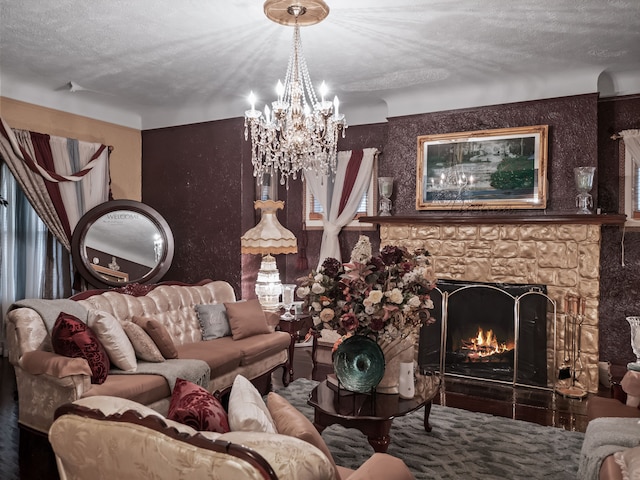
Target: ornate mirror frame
x,y
121,213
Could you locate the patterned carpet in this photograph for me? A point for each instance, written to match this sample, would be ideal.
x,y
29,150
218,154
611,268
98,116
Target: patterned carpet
x,y
462,444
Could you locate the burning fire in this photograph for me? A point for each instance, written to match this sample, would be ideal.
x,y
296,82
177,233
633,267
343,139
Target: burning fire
x,y
484,345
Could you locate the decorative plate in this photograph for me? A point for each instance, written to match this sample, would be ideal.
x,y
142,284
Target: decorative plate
x,y
359,364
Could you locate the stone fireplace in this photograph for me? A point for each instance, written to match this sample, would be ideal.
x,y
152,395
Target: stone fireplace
x,y
561,251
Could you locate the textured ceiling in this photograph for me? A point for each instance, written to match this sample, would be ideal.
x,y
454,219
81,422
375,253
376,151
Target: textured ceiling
x,y
167,62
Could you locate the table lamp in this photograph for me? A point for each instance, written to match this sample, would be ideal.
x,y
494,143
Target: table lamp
x,y
268,238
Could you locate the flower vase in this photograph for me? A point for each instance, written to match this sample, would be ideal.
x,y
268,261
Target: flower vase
x,y
396,351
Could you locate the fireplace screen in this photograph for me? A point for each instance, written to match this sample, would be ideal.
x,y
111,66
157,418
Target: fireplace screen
x,y
489,331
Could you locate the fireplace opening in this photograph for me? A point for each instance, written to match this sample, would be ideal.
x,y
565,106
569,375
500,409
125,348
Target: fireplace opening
x,y
493,331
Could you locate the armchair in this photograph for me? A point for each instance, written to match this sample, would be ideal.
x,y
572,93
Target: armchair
x,y
111,437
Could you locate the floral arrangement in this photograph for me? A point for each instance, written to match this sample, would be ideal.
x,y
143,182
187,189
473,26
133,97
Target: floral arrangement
x,y
386,295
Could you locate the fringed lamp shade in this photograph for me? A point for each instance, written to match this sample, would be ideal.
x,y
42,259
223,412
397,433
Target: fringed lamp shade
x,y
268,238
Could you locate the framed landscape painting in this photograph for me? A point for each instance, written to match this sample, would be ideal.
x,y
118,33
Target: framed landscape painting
x,y
483,170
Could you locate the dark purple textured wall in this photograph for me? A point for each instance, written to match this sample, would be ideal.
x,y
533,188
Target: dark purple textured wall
x,y
199,178
572,142
619,284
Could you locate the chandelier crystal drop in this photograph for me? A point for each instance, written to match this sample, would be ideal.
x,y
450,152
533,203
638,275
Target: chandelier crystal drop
x,y
298,132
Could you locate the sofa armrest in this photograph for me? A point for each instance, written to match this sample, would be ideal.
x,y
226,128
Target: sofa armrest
x,y
38,362
290,457
381,466
273,319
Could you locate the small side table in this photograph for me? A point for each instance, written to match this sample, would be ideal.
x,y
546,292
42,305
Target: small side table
x,y
292,327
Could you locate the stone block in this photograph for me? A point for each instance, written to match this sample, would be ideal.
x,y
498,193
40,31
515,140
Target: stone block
x,y
577,233
467,232
398,232
567,278
489,232
505,249
452,248
426,232
552,254
479,270
509,232
527,250
537,232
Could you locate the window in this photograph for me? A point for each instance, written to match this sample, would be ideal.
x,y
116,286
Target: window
x,y
631,197
313,210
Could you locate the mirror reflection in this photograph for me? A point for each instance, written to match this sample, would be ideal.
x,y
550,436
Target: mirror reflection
x,y
123,245
121,242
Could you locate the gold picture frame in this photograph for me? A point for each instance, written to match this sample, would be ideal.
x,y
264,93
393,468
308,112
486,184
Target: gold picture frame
x,y
483,170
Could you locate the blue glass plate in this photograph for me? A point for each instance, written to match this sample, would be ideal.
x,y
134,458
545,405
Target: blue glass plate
x,y
359,364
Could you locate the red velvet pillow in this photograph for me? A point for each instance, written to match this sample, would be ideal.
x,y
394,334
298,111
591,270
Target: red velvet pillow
x,y
193,405
73,338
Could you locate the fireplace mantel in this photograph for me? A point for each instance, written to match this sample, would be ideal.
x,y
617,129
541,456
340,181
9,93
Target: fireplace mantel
x,y
455,218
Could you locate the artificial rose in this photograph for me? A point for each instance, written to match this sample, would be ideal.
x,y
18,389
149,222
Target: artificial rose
x,y
317,288
316,306
326,315
414,301
395,296
375,296
303,292
349,322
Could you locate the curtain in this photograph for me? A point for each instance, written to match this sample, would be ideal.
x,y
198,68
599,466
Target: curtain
x,y
49,183
41,166
340,196
632,145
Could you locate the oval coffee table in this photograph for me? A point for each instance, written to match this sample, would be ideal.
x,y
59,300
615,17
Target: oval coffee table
x,y
371,413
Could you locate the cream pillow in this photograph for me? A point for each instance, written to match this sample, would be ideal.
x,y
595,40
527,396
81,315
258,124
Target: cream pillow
x,y
113,339
629,462
144,346
247,410
288,456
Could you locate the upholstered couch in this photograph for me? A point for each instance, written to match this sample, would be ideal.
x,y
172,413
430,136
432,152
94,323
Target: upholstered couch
x,y
47,380
613,427
123,439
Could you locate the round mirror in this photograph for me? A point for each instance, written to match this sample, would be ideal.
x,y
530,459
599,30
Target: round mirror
x,y
121,242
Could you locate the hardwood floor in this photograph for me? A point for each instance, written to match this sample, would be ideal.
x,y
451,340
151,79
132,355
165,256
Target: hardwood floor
x,y
28,456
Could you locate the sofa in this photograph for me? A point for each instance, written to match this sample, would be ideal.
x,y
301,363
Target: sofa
x,y
46,380
122,439
612,436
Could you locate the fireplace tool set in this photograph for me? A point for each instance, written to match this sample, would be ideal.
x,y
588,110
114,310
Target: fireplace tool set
x,y
574,316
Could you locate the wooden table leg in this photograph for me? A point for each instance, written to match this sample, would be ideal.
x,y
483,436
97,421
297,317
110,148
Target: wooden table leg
x,y
427,412
380,444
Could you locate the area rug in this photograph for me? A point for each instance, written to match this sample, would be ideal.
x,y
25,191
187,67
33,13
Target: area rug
x,y
462,444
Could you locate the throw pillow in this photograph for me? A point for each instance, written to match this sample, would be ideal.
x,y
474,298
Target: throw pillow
x,y
113,339
290,421
73,338
629,462
247,410
213,321
246,319
193,405
159,335
143,345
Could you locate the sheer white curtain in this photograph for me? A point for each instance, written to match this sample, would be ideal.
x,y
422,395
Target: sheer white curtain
x,y
341,197
23,250
632,145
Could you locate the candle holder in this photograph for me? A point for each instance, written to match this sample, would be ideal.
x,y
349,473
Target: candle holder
x,y
385,189
583,177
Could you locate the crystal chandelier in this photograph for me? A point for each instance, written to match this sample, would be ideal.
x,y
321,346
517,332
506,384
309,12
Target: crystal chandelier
x,y
298,132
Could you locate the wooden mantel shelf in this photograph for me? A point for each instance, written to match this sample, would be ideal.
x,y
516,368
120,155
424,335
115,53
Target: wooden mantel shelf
x,y
493,219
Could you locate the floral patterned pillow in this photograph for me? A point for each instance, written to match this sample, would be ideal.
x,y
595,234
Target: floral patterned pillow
x,y
194,406
73,338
